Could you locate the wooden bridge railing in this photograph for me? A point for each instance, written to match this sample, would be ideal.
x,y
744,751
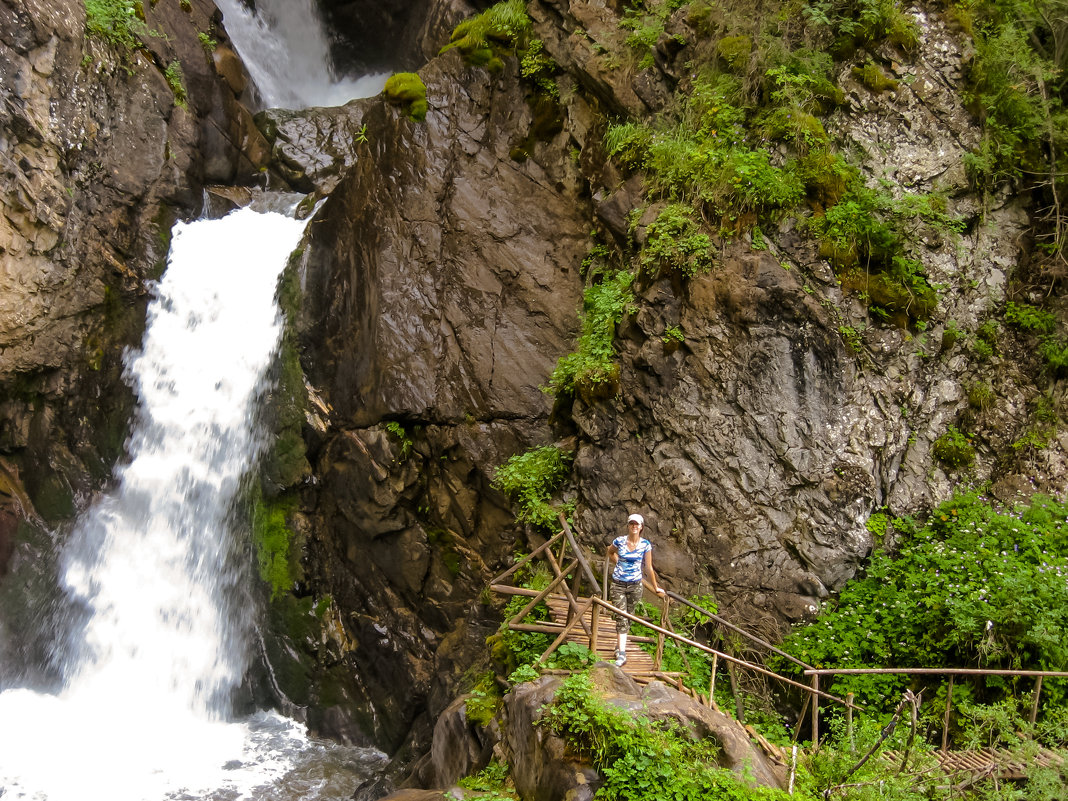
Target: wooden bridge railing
x,y
598,593
815,674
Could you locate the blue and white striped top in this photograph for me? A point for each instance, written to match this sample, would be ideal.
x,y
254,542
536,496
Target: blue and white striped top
x,y
629,566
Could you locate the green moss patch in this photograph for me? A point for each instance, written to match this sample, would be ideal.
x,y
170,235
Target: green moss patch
x,y
407,90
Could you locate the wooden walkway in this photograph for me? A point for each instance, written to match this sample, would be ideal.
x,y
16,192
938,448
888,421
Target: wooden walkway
x,y
639,665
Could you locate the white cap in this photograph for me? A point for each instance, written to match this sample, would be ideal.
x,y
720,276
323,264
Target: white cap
x,y
636,518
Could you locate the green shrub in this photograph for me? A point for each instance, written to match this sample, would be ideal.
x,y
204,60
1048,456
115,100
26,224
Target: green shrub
x,y
954,449
406,89
641,761
1030,318
981,395
675,243
976,584
176,80
483,700
874,78
591,371
735,51
530,479
115,22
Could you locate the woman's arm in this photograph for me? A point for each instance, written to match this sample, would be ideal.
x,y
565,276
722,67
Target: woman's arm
x,y
647,564
612,553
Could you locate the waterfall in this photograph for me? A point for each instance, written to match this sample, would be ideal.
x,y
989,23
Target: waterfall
x,y
159,628
285,50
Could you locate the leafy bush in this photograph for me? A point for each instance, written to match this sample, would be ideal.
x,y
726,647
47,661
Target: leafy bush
x,y
641,761
676,243
176,81
591,370
976,585
115,22
954,449
530,478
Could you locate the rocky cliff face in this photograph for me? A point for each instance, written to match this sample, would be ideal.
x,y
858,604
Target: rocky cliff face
x,y
441,281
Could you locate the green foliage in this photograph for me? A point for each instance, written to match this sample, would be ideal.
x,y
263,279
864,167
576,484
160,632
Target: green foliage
x,y
1030,318
954,449
830,770
676,243
1017,89
538,66
700,154
1033,320
491,783
523,673
981,395
481,40
115,22
874,78
176,80
406,89
735,51
976,585
517,651
673,334
853,337
858,22
591,370
646,21
530,479
641,761
398,432
207,42
274,543
483,700
571,656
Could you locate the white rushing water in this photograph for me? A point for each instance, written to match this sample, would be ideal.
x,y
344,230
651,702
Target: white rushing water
x,y
159,638
286,51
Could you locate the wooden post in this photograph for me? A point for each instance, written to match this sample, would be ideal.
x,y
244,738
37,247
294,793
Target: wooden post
x,y
815,711
849,721
739,707
660,637
527,558
1034,703
712,682
945,719
571,600
801,717
541,596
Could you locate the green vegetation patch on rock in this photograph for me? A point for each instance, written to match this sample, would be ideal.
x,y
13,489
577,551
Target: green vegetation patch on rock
x,y
407,90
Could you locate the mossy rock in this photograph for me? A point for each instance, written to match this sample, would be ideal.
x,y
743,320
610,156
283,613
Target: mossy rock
x,y
407,90
874,78
735,52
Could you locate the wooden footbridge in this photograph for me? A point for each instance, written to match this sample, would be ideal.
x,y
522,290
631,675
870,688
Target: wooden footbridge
x,y
581,618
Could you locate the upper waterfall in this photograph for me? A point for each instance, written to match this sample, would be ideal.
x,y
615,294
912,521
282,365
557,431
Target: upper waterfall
x,y
286,51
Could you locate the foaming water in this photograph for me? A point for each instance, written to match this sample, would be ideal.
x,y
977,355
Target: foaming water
x,y
286,51
159,624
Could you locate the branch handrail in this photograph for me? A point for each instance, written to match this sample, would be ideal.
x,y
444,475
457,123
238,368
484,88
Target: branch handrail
x,y
721,655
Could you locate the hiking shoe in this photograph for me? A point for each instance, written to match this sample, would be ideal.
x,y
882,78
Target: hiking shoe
x,y
621,658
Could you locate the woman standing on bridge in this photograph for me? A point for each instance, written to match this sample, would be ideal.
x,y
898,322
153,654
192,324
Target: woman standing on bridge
x,y
632,556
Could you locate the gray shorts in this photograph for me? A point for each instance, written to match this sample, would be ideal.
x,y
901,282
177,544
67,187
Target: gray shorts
x,y
624,595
